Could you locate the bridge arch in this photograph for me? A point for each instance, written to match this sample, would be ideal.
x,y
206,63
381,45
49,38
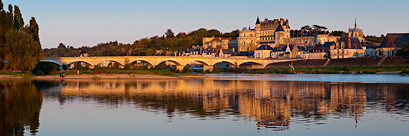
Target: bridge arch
x,y
171,60
53,61
204,63
86,62
249,62
143,60
115,61
230,63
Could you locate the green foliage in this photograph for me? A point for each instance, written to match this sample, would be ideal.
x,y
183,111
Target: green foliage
x,y
374,39
149,52
21,51
20,46
187,69
337,33
404,51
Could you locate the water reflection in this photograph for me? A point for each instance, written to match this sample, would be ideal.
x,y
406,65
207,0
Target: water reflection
x,y
20,104
272,105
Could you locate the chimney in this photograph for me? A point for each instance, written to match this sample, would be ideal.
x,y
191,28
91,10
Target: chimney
x,y
349,42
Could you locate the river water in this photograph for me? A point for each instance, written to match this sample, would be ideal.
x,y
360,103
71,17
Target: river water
x,y
218,105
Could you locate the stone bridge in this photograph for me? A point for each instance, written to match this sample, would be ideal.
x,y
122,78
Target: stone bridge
x,y
180,62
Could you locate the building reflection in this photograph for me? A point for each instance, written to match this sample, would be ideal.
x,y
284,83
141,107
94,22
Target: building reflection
x,y
270,104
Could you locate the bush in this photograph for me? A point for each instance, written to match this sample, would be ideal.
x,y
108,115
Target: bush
x,y
127,67
187,69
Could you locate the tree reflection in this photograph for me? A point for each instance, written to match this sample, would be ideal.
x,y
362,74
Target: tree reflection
x,y
20,104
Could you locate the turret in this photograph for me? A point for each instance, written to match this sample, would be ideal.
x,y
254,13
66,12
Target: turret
x,y
257,29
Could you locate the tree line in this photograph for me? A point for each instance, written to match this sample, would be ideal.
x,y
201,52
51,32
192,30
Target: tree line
x,y
142,47
19,43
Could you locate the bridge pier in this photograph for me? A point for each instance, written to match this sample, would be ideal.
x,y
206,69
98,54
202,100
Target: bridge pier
x,y
180,67
257,66
207,67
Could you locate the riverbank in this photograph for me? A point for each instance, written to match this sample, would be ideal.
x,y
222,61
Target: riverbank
x,y
334,70
103,76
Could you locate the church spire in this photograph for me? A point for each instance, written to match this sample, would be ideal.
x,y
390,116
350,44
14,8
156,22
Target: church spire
x,y
355,23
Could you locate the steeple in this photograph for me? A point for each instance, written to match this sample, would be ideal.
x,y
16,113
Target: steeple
x,y
257,21
355,23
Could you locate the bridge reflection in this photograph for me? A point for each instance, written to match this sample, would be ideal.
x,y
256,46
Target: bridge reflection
x,y
270,104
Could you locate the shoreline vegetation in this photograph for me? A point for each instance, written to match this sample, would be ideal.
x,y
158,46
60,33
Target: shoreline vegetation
x,y
96,74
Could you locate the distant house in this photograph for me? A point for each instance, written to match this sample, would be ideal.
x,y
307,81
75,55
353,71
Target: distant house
x,y
240,54
370,50
318,52
209,53
277,51
83,53
347,47
392,43
264,51
224,53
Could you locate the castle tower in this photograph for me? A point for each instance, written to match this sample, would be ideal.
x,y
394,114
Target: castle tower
x,y
279,34
257,28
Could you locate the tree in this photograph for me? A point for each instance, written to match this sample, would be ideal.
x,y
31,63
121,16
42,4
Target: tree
x,y
18,21
149,52
22,52
306,27
404,51
34,30
169,34
61,46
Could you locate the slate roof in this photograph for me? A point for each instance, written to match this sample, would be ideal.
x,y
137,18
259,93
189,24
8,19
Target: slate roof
x,y
328,44
319,47
280,48
354,41
240,53
279,27
227,51
395,40
264,47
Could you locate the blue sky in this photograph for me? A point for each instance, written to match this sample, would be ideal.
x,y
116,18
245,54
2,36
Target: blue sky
x,y
89,22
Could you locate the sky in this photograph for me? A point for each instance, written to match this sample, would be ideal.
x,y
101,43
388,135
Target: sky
x,y
89,22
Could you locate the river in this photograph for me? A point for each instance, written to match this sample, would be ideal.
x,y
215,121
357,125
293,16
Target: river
x,y
217,105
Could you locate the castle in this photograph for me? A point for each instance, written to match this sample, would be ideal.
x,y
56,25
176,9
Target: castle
x,y
267,32
273,33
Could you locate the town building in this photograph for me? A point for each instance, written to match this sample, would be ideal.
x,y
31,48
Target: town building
x,y
318,52
392,43
347,47
264,51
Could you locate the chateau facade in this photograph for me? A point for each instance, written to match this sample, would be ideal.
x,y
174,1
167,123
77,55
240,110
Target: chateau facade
x,y
273,33
267,32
